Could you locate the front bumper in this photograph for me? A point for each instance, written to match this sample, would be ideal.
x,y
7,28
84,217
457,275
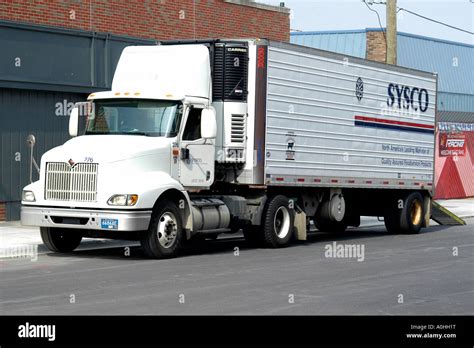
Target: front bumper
x,y
89,219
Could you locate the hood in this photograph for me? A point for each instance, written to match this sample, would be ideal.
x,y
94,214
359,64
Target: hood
x,y
108,148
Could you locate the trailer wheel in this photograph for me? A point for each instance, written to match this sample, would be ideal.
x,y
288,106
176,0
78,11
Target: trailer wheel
x,y
407,218
61,240
278,222
165,233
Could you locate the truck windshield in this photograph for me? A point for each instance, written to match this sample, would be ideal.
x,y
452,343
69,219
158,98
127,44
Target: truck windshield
x,y
135,117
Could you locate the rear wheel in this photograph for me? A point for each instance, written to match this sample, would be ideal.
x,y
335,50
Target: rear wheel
x,y
278,222
405,216
61,240
165,233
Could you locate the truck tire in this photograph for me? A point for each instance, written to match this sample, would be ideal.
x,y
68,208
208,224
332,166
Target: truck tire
x,y
278,222
60,240
409,218
165,233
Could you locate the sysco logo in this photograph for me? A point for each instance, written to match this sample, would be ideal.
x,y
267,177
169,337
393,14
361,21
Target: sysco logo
x,y
407,97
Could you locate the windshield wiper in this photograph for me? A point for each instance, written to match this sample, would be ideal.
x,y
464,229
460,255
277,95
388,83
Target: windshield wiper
x,y
125,133
95,132
133,133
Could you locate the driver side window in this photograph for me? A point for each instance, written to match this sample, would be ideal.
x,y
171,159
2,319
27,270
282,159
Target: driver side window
x,y
192,130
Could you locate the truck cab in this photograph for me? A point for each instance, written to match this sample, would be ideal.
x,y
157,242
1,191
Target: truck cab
x,y
147,143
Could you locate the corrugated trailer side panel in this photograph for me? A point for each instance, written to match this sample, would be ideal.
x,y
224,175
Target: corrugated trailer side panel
x,y
338,121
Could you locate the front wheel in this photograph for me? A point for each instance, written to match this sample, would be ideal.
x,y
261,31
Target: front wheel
x,y
278,222
165,233
61,240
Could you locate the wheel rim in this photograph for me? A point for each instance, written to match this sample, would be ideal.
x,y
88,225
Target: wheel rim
x,y
167,229
281,222
415,212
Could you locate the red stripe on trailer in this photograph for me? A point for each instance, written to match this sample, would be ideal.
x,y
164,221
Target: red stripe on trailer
x,y
399,123
279,179
334,180
351,181
317,180
386,182
401,183
368,182
417,184
429,184
300,179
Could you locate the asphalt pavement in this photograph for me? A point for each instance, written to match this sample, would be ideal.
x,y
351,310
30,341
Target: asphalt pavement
x,y
430,273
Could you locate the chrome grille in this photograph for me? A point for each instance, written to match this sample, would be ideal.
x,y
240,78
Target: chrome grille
x,y
65,183
237,132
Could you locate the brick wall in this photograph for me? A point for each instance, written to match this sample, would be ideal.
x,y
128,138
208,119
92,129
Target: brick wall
x,y
376,46
3,213
156,19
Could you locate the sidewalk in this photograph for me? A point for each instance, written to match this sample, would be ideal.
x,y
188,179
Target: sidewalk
x,y
461,207
13,234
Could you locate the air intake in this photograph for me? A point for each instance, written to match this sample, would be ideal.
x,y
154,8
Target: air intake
x,y
237,132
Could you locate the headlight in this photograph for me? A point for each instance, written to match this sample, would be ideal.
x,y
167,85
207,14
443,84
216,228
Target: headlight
x,y
123,200
28,196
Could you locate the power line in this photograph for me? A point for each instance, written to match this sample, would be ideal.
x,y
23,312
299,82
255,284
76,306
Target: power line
x,y
434,20
378,16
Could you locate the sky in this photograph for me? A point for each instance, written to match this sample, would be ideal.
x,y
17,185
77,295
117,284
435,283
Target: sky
x,y
317,15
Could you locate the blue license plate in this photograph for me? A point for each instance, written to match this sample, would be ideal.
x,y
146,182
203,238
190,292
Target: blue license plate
x,y
109,224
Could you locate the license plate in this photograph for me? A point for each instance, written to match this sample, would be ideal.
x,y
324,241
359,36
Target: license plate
x,y
109,224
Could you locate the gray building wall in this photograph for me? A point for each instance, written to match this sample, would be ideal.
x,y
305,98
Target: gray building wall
x,y
42,71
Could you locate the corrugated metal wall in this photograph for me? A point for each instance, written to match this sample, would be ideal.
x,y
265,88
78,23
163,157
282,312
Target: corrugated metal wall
x,y
352,42
455,102
26,112
40,70
454,62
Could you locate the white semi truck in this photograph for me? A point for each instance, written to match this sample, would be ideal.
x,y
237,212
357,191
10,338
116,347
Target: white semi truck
x,y
200,138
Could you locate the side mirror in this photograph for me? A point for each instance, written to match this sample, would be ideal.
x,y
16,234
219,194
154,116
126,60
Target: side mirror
x,y
74,122
208,123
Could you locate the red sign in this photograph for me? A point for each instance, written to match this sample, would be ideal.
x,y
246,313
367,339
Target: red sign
x,y
452,144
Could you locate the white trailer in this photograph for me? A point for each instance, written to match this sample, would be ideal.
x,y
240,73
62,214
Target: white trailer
x,y
199,138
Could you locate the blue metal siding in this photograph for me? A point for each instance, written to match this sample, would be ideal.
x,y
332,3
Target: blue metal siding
x,y
455,102
453,62
350,43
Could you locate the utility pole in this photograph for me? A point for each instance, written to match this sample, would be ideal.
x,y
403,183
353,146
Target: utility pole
x,y
391,31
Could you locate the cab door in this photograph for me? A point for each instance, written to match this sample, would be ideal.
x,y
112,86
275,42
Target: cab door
x,y
197,155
